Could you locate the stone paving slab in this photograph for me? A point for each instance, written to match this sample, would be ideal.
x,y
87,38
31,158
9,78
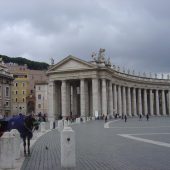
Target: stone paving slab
x,y
99,148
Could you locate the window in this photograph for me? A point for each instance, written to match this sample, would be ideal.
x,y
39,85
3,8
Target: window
x,y
23,84
39,106
39,88
16,84
7,91
7,104
39,96
23,99
23,92
32,91
16,99
16,92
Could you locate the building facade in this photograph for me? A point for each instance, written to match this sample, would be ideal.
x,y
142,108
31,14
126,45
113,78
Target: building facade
x,y
41,93
6,80
96,88
23,90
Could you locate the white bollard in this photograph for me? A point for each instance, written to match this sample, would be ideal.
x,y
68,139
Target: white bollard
x,y
60,125
77,120
17,142
7,155
51,124
65,123
68,154
42,126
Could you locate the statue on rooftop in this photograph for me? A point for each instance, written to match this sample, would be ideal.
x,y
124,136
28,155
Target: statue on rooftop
x,y
52,61
94,56
101,56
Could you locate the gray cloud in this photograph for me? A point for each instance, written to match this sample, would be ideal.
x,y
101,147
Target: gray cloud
x,y
134,33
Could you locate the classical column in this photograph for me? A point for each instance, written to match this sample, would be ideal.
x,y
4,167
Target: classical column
x,y
110,98
134,102
104,98
129,102
95,95
168,102
124,101
68,98
119,101
163,103
82,97
63,98
115,99
74,100
157,103
151,101
87,110
139,102
51,101
145,102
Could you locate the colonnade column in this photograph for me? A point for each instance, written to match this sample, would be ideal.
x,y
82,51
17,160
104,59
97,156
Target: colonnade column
x,y
110,98
157,103
74,100
63,98
124,101
129,102
82,97
139,102
115,99
104,98
95,95
151,101
163,103
51,101
87,110
134,102
145,102
119,101
169,102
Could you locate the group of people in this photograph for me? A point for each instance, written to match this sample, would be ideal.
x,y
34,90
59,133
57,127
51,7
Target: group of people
x,y
125,117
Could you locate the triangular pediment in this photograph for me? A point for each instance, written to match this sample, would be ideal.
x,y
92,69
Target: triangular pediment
x,y
71,63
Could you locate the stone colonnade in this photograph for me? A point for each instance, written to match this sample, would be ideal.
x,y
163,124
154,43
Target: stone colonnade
x,y
90,97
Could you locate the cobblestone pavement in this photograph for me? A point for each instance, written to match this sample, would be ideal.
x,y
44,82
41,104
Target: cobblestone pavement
x,y
99,148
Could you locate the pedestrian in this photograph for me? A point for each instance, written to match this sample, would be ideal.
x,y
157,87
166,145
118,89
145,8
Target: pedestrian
x,y
140,116
125,118
105,119
147,117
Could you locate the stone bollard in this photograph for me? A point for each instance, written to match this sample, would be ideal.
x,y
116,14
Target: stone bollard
x,y
17,142
7,155
65,123
68,155
42,126
51,124
77,120
60,125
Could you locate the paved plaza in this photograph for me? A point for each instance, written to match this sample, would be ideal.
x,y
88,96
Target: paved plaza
x,y
134,145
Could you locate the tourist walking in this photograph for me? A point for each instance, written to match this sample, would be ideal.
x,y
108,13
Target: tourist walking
x,y
147,117
105,119
125,118
140,116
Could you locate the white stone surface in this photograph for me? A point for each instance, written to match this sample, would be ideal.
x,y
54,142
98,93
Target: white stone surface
x,y
17,142
65,123
51,124
60,125
7,153
42,126
78,120
68,154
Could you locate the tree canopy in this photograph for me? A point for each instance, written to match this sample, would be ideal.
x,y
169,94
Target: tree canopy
x,y
32,65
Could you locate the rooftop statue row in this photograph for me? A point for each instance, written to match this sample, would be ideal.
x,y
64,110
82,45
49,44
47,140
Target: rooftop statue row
x,y
100,59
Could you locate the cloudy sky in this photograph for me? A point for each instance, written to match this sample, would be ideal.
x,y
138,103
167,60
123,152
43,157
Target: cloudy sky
x,y
135,33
